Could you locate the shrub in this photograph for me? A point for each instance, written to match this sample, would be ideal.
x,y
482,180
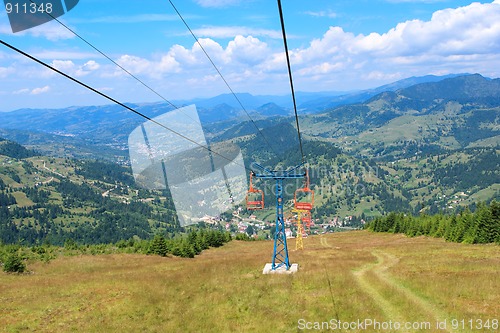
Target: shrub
x,y
14,264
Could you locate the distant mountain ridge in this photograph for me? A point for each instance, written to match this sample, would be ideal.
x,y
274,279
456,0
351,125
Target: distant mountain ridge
x,y
361,96
423,148
453,113
465,99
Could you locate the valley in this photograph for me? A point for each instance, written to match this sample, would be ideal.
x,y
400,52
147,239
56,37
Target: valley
x,y
407,150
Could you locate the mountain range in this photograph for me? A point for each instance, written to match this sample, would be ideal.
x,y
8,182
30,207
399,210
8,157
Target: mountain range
x,y
421,108
427,147
454,113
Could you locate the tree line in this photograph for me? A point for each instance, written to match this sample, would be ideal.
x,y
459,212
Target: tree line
x,y
190,245
478,227
13,257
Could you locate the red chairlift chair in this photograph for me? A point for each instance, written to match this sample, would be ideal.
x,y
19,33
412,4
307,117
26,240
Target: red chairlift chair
x,y
302,193
255,197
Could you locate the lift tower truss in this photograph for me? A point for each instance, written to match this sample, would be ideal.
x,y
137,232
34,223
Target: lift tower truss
x,y
299,243
280,253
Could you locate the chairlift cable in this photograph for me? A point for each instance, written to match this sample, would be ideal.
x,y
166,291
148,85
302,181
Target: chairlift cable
x,y
222,76
118,102
149,87
107,57
139,80
291,79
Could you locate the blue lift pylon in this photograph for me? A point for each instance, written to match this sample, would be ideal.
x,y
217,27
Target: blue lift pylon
x,y
280,253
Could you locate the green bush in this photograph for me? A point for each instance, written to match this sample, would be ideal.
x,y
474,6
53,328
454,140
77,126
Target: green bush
x,y
14,264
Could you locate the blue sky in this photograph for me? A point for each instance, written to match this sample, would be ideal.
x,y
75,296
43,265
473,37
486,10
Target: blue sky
x,y
340,45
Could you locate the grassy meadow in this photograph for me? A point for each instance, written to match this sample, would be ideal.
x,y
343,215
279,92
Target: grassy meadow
x,y
342,277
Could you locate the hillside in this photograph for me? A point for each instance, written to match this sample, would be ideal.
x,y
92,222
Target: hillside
x,y
343,277
454,113
51,200
54,199
425,148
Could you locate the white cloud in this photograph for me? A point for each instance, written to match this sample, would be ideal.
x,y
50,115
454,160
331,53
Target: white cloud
x,y
69,67
323,13
465,39
91,65
247,50
63,65
42,90
458,39
135,65
240,53
156,68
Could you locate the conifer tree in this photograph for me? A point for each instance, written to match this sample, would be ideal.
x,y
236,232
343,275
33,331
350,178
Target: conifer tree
x,y
158,246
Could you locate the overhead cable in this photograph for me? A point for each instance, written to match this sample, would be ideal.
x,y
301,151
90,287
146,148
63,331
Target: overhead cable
x,y
116,101
222,76
107,57
291,79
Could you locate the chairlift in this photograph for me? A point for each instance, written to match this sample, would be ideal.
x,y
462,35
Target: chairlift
x,y
255,197
304,197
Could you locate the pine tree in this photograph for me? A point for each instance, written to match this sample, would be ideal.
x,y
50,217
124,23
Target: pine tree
x,y
201,240
487,229
495,216
158,246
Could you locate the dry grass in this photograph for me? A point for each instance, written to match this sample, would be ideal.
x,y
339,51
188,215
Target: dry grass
x,y
223,290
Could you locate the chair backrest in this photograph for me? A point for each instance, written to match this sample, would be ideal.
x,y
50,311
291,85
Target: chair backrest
x,y
304,197
255,197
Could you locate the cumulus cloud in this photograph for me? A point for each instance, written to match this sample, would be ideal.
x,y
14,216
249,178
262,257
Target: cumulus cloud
x,y
241,51
42,90
451,39
247,50
90,65
464,39
142,66
69,67
474,29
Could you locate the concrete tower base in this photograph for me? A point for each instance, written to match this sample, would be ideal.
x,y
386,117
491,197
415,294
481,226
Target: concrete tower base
x,y
268,269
